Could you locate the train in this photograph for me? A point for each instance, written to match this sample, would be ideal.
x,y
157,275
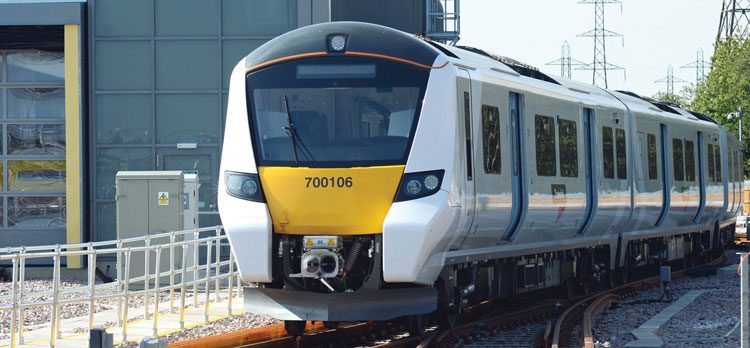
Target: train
x,y
370,174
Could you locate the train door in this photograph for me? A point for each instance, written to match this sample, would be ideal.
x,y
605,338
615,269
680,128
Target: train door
x,y
468,206
591,197
701,178
666,178
516,104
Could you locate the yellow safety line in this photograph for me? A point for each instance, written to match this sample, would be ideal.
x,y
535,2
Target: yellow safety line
x,y
72,141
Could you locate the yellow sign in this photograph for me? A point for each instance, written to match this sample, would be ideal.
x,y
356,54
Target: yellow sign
x,y
163,198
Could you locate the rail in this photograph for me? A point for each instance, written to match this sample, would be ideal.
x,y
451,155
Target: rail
x,y
149,278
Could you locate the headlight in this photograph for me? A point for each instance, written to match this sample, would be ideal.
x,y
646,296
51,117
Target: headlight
x,y
243,185
413,187
418,185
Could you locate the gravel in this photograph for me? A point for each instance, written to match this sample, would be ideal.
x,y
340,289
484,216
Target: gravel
x,y
706,322
234,323
37,317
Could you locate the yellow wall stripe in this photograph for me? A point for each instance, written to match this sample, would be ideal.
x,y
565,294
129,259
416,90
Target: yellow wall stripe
x,y
73,139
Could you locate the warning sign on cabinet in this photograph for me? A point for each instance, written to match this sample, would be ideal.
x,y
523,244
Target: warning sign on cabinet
x,y
163,198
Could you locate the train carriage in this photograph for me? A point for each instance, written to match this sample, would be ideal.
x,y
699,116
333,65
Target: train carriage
x,y
368,174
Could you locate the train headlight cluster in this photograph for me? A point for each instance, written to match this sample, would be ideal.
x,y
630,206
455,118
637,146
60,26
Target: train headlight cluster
x,y
243,185
418,185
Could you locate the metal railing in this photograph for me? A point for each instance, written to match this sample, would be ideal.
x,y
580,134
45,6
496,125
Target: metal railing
x,y
132,278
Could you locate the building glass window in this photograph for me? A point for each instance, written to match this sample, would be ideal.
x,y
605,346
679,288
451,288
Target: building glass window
x,y
568,148
678,159
491,139
651,143
35,66
36,212
546,161
608,148
622,159
32,129
689,161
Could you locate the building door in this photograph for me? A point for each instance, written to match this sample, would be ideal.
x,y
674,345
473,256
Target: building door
x,y
203,162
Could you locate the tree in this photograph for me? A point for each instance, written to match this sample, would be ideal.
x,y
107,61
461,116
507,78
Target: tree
x,y
680,100
727,87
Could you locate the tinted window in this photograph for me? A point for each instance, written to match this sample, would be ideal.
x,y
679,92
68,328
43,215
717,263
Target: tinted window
x,y
467,130
608,148
622,160
717,152
568,148
689,161
677,157
491,139
312,120
546,161
651,140
711,166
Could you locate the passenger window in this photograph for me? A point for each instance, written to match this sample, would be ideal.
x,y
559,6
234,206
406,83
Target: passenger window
x,y
491,139
717,152
568,149
689,161
622,159
711,166
546,161
678,157
608,152
651,140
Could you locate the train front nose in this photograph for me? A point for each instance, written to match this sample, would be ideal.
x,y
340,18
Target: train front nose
x,y
329,201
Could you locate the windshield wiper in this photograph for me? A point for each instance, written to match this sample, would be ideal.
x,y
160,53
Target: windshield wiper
x,y
297,142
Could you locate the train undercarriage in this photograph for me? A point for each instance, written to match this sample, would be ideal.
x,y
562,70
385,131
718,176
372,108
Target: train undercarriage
x,y
327,265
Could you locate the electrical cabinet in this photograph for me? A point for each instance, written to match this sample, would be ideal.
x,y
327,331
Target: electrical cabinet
x,y
151,203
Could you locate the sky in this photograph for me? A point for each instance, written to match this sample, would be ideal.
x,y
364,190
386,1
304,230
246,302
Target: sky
x,y
656,34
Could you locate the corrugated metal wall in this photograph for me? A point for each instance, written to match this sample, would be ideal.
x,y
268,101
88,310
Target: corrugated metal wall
x,y
404,15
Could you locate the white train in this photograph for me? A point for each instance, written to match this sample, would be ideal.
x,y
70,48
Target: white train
x,y
368,174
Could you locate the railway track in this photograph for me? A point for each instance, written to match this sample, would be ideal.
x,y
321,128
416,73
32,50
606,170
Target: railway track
x,y
484,321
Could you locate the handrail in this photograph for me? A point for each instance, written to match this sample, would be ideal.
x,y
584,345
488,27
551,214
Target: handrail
x,y
212,277
106,242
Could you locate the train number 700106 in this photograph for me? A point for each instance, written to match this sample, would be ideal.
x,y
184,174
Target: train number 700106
x,y
329,181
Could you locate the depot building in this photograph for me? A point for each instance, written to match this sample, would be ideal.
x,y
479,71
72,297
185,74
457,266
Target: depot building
x,y
90,88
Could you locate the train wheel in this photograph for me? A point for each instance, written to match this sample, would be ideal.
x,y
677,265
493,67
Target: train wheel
x,y
295,328
586,287
568,289
417,325
447,319
610,279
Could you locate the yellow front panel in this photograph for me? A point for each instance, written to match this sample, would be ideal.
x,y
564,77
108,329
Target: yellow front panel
x,y
305,201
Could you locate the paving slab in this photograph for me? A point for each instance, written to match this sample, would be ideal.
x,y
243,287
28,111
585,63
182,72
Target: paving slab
x,y
727,270
646,336
74,332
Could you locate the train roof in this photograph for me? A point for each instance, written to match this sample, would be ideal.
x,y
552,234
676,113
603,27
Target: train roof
x,y
466,53
377,40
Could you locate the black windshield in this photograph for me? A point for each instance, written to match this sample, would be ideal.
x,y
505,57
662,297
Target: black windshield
x,y
344,111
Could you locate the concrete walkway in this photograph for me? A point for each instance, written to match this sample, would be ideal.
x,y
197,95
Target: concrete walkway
x,y
74,331
646,334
